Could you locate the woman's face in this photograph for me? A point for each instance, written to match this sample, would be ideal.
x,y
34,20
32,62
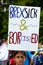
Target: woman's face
x,y
19,59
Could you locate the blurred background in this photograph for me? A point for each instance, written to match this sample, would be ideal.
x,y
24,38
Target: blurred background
x,y
4,8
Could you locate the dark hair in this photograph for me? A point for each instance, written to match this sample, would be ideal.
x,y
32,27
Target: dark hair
x,y
22,52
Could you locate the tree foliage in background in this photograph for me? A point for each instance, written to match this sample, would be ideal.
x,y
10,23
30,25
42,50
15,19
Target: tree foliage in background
x,y
4,15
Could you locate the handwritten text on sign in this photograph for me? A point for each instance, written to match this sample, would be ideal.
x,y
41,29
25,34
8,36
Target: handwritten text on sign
x,y
19,38
23,31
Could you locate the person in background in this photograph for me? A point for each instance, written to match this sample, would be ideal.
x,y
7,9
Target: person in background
x,y
11,61
29,59
11,58
3,53
38,56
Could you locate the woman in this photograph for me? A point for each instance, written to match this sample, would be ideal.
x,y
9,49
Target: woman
x,y
19,57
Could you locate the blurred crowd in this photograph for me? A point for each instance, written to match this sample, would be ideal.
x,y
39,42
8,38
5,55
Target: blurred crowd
x,y
11,57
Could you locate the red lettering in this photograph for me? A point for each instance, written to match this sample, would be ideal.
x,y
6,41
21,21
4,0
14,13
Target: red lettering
x,y
34,38
11,37
14,37
18,37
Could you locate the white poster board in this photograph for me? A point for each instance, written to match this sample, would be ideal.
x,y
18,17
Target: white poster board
x,y
23,29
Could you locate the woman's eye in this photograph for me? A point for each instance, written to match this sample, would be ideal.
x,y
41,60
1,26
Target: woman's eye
x,y
19,56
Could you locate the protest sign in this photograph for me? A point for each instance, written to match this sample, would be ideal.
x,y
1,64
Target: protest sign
x,y
23,29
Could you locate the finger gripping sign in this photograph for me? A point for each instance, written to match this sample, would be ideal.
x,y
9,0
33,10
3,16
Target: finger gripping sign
x,y
23,29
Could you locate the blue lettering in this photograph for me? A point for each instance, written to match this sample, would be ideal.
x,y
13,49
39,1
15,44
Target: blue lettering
x,y
12,12
17,12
